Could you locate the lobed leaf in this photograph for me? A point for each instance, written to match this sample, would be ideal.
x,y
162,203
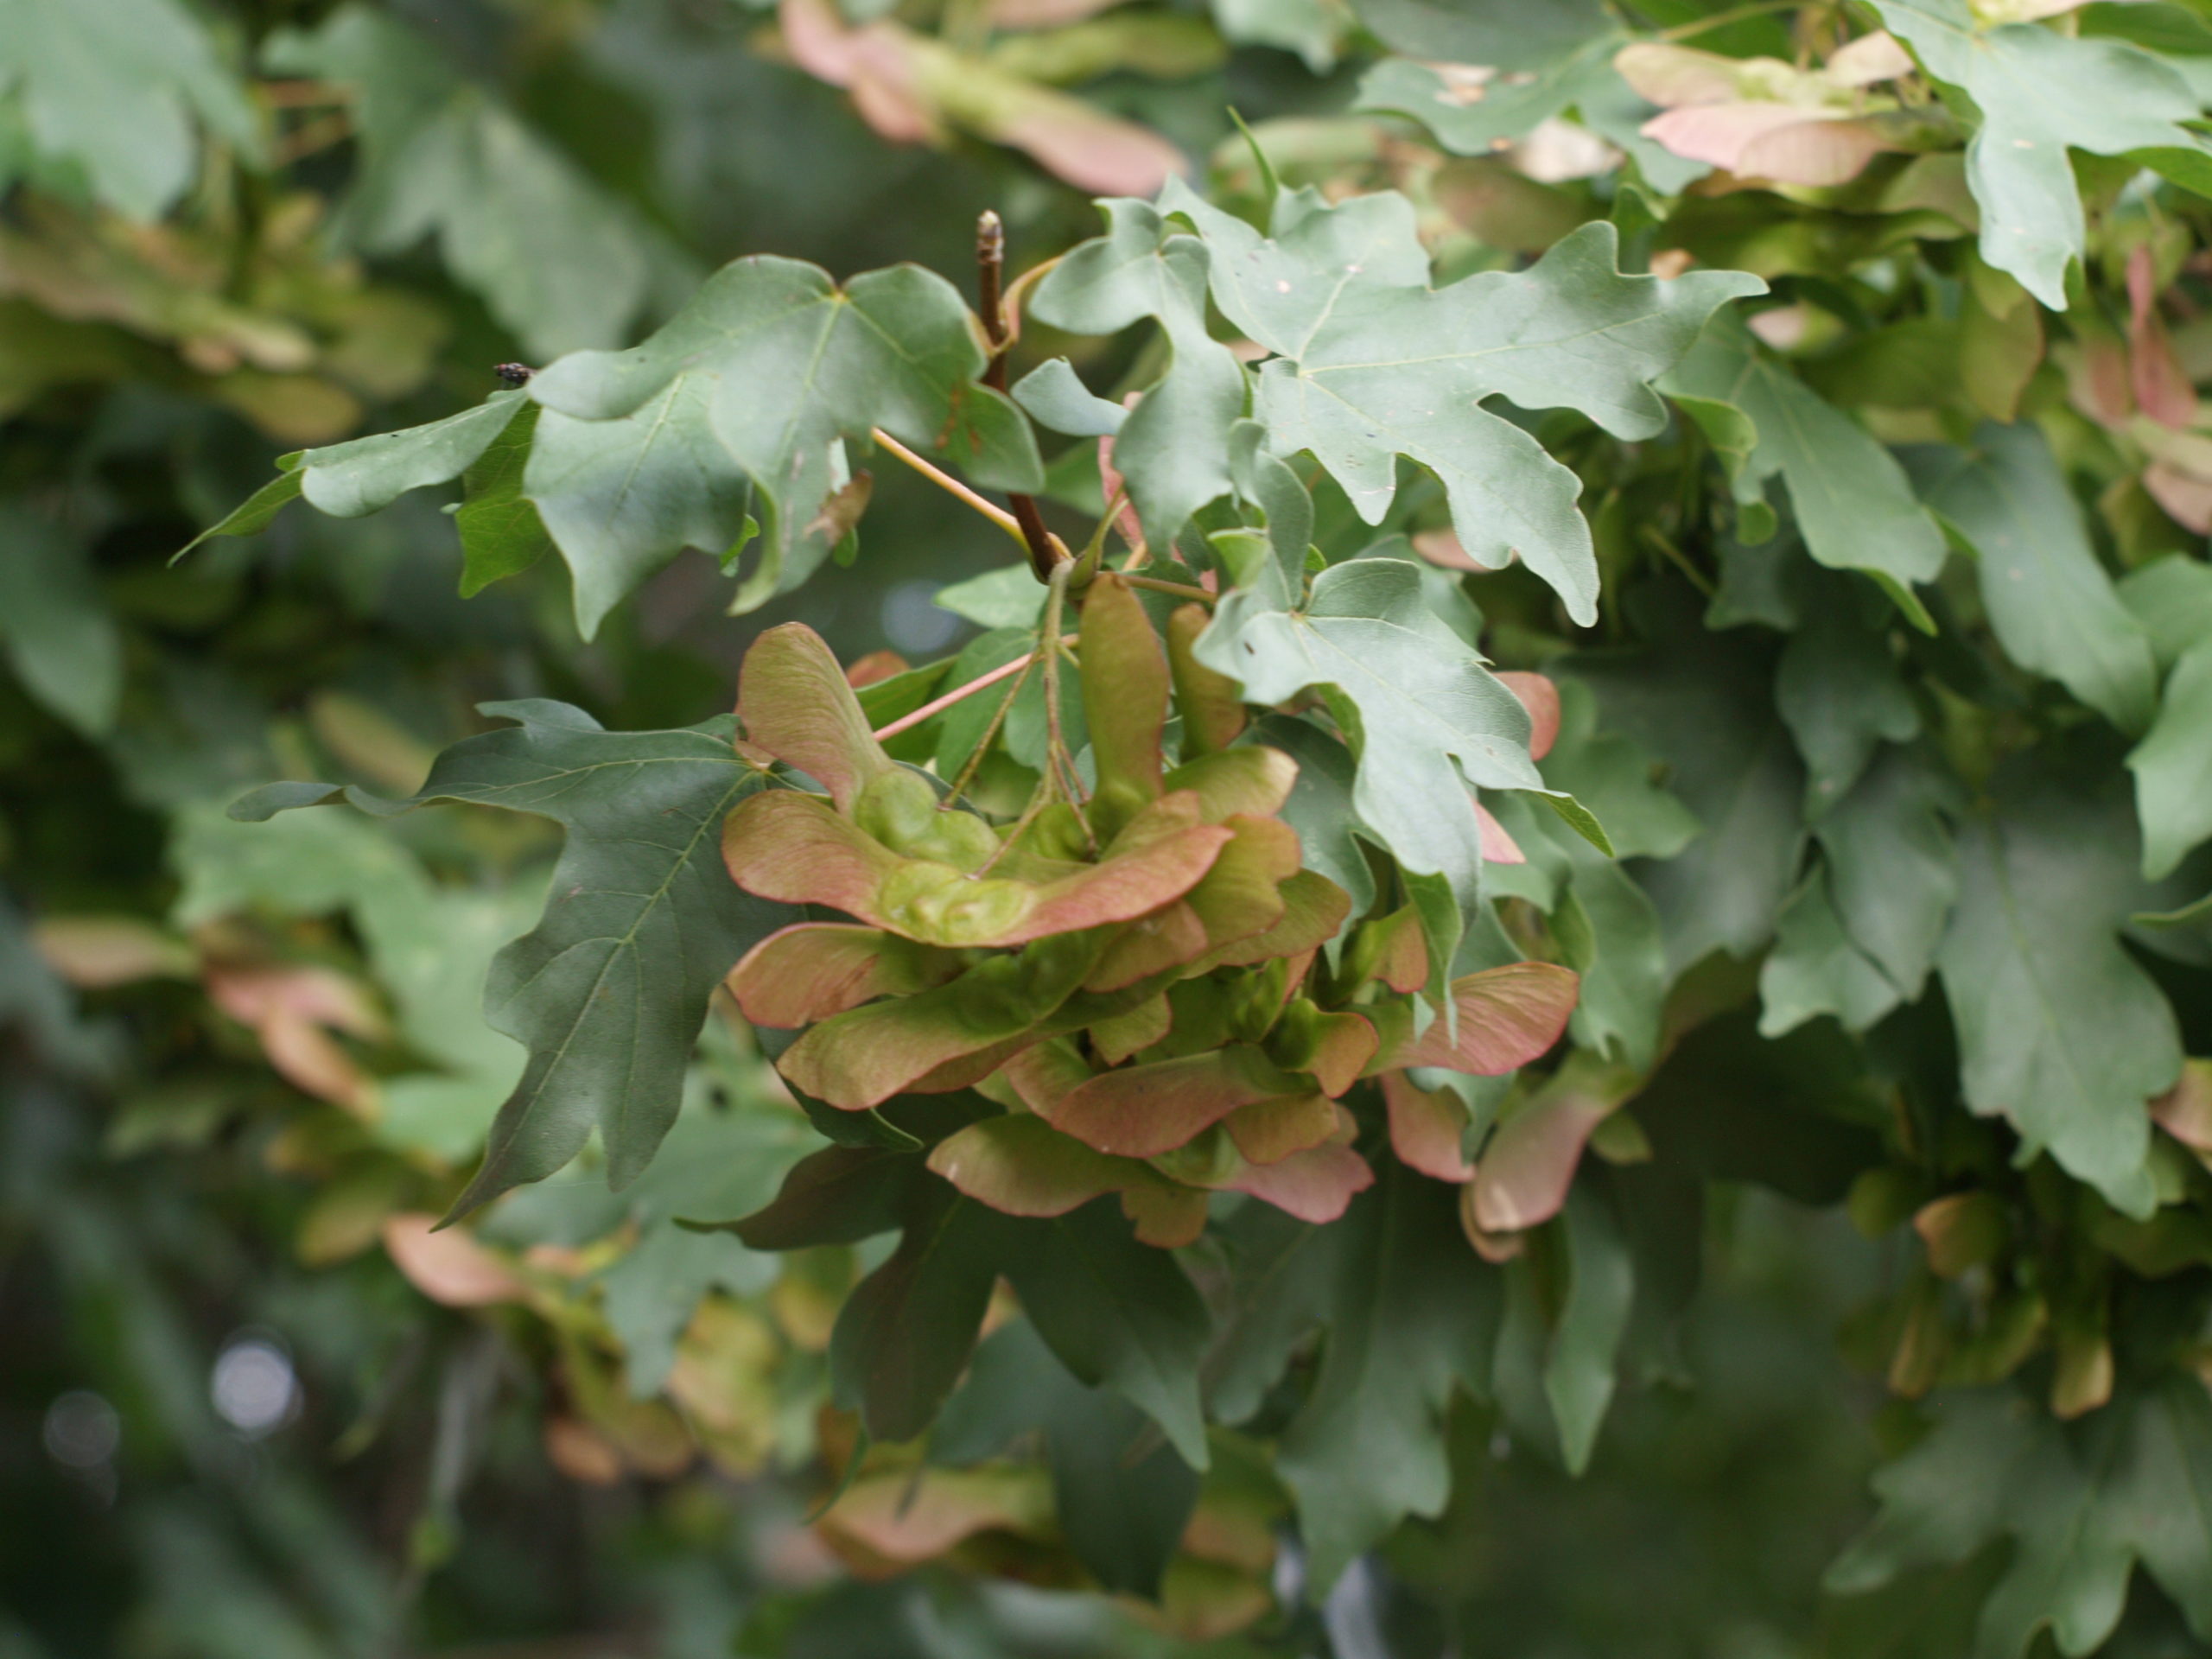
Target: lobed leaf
x,y
609,991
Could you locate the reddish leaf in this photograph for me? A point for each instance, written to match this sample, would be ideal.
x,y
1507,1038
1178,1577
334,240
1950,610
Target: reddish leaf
x,y
1496,1249
1314,908
1125,684
292,1010
1541,699
810,970
1786,143
1871,58
1117,1039
1507,1017
1211,704
2161,385
1334,1049
1442,548
858,1059
450,1267
1268,1131
1090,150
904,1516
2104,390
96,952
2184,1111
1239,897
1315,1185
795,703
1525,1168
793,846
1498,847
1427,1129
1166,1216
1252,780
876,665
1391,949
2186,497
1169,938
1672,76
1139,874
1021,1166
1044,1075
1142,1111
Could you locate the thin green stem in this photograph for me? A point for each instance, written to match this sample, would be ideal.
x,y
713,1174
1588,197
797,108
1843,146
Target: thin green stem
x,y
951,486
1681,560
1722,19
1180,589
1059,765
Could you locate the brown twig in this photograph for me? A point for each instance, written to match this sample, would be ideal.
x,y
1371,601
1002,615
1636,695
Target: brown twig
x,y
1045,550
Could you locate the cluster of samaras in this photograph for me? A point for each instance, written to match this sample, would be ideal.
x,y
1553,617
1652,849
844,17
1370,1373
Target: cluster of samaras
x,y
1141,983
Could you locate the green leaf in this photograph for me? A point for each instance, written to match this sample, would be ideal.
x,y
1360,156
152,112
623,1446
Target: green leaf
x,y
715,1162
1373,363
1119,1314
2173,767
501,534
839,1195
116,86
760,376
1854,504
905,1334
1815,968
1701,704
1171,449
1123,1519
609,991
366,475
1579,1377
1320,803
1892,871
2052,606
1510,34
1314,29
2040,93
1424,717
1010,597
1624,981
59,637
431,947
621,498
258,510
558,260
1614,777
1510,106
1412,1315
1838,689
2082,1504
2172,599
2059,1030
1055,396
347,480
1788,1112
